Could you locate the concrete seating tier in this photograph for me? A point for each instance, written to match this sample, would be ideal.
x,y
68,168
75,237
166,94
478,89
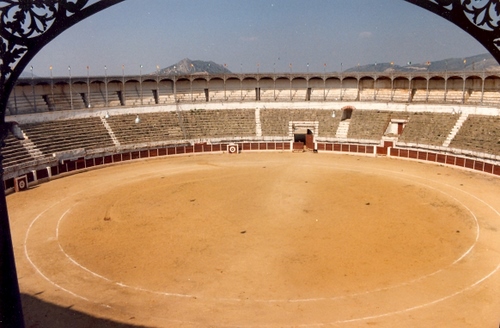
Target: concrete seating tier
x,y
153,127
491,98
195,124
166,99
64,135
23,104
41,95
41,103
419,95
148,97
217,96
198,96
267,95
98,99
334,95
368,124
400,95
348,94
473,97
366,94
383,95
234,95
299,95
183,97
187,96
276,122
165,96
200,124
247,95
318,94
436,96
60,101
14,152
428,128
479,133
282,95
455,96
133,96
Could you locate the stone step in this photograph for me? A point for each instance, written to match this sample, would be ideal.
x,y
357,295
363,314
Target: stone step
x,y
455,129
343,129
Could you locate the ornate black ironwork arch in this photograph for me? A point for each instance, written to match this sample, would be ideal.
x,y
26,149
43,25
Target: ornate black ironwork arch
x,y
26,26
480,19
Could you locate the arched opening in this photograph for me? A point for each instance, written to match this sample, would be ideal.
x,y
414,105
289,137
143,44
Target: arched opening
x,y
347,113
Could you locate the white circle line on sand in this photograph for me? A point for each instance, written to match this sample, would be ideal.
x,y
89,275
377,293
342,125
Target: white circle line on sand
x,y
447,194
313,299
378,316
446,185
67,255
37,269
101,276
467,252
121,284
423,305
26,253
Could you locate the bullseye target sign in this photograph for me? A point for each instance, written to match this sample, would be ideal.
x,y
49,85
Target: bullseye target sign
x,y
232,149
21,183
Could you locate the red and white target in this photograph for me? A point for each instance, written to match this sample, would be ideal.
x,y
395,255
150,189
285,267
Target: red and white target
x,y
232,149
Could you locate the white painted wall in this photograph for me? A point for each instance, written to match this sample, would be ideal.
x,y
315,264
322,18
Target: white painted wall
x,y
397,107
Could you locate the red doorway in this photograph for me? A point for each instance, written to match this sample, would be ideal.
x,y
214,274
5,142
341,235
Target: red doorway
x,y
303,138
309,139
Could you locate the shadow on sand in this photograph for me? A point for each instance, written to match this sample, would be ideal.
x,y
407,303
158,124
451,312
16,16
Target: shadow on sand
x,y
40,314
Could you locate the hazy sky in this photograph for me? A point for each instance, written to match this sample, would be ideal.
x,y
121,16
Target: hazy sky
x,y
247,35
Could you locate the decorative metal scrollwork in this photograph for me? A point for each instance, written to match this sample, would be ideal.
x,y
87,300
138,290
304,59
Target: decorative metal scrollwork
x,y
26,26
20,21
26,19
483,14
443,3
479,18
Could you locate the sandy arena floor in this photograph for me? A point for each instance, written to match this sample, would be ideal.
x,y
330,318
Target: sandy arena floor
x,y
261,240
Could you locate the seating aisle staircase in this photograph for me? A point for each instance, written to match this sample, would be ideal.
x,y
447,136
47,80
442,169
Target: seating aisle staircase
x,y
31,147
343,129
110,132
455,129
258,125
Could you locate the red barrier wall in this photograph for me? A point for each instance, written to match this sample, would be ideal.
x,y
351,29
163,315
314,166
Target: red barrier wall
x,y
454,160
386,149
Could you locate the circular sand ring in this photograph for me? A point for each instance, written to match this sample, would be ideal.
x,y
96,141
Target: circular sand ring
x,y
105,283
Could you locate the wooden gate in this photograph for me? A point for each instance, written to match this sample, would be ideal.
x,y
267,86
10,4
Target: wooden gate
x,y
309,139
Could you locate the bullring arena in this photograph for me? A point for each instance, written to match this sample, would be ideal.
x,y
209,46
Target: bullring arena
x,y
256,213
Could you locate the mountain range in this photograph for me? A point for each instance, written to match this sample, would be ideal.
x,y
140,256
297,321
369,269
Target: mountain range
x,y
188,66
473,63
483,62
